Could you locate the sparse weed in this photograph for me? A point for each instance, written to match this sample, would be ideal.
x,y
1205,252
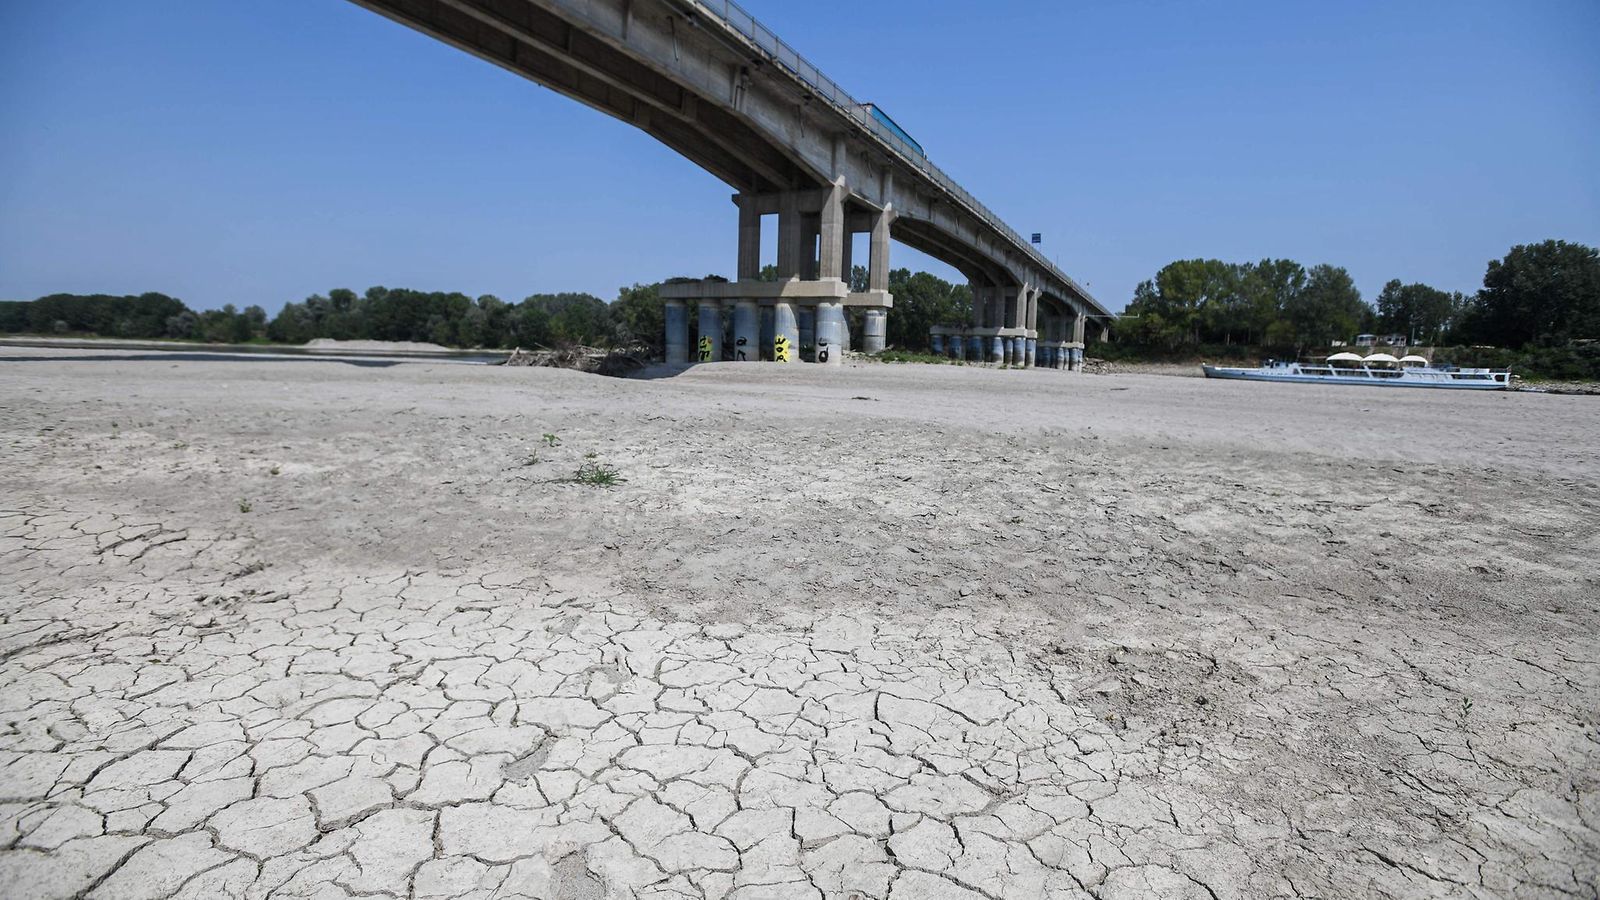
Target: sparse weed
x,y
591,455
245,505
551,440
532,459
274,471
1466,710
597,475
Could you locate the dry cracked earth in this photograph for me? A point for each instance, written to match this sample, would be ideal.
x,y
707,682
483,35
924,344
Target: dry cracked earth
x,y
315,629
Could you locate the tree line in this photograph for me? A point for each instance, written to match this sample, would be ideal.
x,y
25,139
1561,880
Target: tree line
x,y
1538,295
451,319
1542,295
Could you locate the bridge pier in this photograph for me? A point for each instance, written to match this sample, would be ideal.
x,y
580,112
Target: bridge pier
x,y
746,331
875,332
830,333
677,316
786,334
710,342
807,317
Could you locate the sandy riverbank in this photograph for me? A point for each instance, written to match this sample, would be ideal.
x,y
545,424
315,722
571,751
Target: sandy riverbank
x,y
891,631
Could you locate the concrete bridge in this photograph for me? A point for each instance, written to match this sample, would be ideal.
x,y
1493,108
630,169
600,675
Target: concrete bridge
x,y
708,80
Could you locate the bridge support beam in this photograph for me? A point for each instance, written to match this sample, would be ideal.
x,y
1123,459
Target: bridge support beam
x,y
710,342
786,334
875,331
878,258
830,333
677,316
746,331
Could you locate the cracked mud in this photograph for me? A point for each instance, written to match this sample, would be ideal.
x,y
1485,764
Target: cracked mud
x,y
315,630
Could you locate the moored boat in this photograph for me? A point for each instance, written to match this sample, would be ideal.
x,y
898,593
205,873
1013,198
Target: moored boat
x,y
1378,370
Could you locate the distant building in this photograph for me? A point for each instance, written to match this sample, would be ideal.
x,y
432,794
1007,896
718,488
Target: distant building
x,y
1366,340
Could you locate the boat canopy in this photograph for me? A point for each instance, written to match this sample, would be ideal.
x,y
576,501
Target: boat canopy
x,y
1380,358
1345,357
1413,358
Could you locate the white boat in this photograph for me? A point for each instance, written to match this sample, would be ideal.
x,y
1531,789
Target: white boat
x,y
1377,370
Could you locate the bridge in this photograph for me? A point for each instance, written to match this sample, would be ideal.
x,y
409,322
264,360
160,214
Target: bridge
x,y
709,81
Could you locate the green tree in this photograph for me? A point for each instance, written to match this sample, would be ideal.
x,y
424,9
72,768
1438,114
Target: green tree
x,y
1420,312
1539,293
1185,298
921,301
638,317
1328,308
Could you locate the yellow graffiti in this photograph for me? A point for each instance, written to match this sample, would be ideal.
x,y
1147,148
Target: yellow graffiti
x,y
780,349
705,349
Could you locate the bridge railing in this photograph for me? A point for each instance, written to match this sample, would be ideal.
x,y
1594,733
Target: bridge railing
x,y
737,19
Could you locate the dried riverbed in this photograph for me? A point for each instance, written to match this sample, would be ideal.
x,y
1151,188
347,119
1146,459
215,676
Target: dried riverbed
x,y
312,628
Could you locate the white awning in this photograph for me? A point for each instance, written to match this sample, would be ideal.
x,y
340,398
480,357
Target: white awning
x,y
1413,358
1345,357
1381,358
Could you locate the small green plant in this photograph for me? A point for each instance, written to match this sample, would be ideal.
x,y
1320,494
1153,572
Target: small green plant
x,y
1466,710
532,459
551,440
591,455
597,475
274,470
245,505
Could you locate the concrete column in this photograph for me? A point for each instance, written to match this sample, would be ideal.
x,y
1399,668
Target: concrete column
x,y
1077,359
845,338
847,254
749,239
746,331
806,328
958,346
809,248
786,334
878,262
834,234
936,344
997,350
975,348
769,326
1078,322
677,316
1044,355
1032,352
875,332
710,349
791,236
1005,351
830,333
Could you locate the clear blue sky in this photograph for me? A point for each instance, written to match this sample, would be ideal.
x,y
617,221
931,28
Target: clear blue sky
x,y
225,151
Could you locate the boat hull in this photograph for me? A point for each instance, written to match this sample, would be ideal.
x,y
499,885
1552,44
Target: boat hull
x,y
1401,381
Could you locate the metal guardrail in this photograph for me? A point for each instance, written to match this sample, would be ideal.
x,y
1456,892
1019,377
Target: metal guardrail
x,y
738,20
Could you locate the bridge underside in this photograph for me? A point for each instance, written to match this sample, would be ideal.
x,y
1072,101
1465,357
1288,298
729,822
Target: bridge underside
x,y
731,98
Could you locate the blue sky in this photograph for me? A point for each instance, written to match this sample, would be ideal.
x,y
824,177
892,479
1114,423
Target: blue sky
x,y
238,152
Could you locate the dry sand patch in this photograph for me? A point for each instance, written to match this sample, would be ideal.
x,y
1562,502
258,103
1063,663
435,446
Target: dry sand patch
x,y
315,629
